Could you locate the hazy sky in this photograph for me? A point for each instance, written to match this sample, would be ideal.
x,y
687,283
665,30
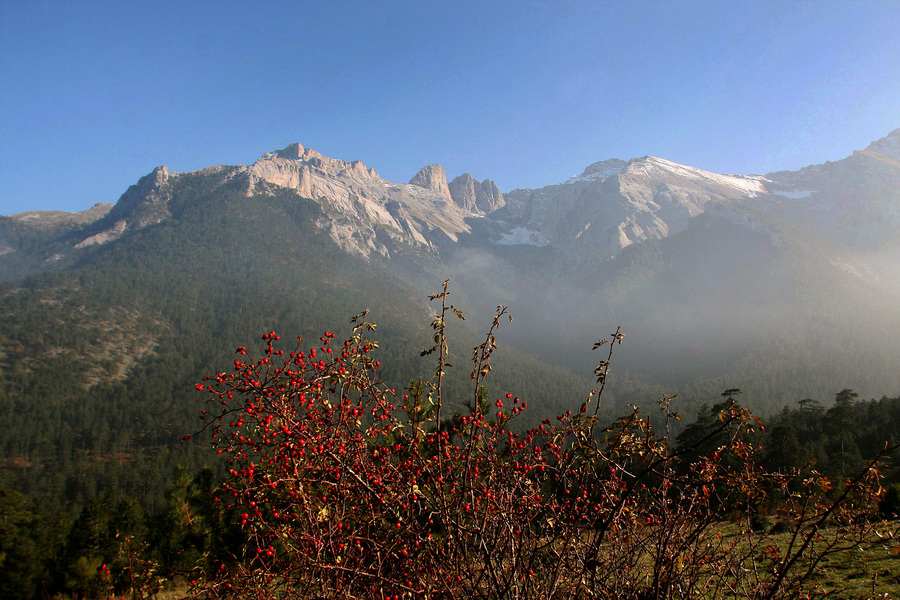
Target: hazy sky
x,y
94,95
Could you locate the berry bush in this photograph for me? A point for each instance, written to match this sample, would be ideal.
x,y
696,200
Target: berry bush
x,y
345,488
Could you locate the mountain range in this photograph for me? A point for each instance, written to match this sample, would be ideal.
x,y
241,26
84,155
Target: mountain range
x,y
609,206
785,285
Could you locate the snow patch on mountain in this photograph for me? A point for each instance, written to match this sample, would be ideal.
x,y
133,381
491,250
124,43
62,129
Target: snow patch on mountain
x,y
857,268
793,195
522,236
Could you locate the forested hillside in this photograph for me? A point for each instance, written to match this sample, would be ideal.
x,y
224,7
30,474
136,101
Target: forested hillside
x,y
100,360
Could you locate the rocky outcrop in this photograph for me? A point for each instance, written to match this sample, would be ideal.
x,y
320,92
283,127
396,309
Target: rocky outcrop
x,y
364,213
295,166
433,178
470,195
146,202
108,235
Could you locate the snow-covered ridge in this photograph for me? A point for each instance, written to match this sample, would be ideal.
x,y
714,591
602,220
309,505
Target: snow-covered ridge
x,y
749,185
599,171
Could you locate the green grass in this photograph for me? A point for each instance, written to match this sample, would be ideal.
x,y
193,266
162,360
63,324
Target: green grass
x,y
870,570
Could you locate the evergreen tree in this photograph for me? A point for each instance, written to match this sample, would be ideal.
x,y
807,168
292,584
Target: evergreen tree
x,y
840,421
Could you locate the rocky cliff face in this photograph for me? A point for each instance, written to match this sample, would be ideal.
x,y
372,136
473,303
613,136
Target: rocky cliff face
x,y
432,177
484,197
146,202
367,213
295,166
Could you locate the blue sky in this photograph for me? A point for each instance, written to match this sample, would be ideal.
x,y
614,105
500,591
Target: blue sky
x,y
96,94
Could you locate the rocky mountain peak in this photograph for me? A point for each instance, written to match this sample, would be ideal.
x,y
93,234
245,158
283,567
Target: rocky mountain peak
x,y
146,202
434,178
160,175
472,195
373,215
615,203
291,152
302,168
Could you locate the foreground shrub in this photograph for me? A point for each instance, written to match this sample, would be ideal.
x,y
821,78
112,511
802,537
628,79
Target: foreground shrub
x,y
347,489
